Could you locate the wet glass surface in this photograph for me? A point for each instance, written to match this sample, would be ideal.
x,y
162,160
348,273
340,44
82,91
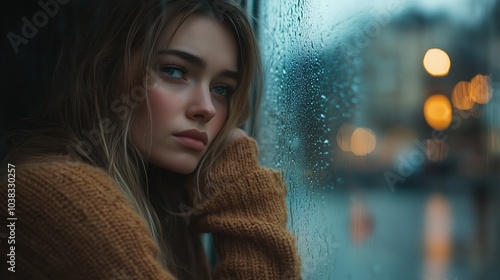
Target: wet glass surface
x,y
385,116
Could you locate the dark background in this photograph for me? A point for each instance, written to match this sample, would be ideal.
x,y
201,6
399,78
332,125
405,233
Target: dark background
x,y
27,73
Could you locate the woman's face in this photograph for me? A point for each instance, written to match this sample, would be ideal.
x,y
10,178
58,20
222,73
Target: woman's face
x,y
196,72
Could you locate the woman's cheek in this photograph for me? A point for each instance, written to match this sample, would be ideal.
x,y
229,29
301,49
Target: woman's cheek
x,y
220,118
161,103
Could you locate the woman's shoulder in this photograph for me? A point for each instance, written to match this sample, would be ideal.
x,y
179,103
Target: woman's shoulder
x,y
59,166
64,190
58,169
57,177
75,214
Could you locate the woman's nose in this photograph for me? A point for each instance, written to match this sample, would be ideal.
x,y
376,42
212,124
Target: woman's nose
x,y
201,107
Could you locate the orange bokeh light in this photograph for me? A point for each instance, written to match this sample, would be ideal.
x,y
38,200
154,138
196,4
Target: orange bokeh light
x,y
437,111
479,89
363,141
344,137
461,97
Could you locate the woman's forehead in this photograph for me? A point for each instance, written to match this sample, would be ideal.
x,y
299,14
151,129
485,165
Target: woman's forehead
x,y
202,36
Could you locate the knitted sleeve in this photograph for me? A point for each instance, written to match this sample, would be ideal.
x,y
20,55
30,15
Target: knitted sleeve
x,y
73,223
244,208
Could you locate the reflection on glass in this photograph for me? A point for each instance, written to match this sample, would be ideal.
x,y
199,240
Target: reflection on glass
x,y
361,222
437,237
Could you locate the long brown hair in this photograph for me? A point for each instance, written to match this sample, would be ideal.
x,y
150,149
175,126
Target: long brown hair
x,y
90,109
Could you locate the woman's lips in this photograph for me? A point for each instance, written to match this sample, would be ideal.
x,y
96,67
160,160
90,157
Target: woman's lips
x,y
192,138
191,143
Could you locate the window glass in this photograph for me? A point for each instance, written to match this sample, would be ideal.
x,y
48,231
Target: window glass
x,y
385,116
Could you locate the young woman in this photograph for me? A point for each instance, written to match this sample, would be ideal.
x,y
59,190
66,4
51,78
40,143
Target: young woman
x,y
137,153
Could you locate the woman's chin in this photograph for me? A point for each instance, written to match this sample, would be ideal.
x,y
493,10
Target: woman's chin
x,y
184,171
180,168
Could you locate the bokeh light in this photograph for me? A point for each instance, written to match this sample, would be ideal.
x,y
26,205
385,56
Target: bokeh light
x,y
479,89
363,141
437,62
344,137
437,111
461,97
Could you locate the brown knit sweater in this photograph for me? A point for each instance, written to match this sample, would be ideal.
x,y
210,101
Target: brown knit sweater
x,y
74,223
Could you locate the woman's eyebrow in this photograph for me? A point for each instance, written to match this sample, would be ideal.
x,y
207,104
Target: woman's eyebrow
x,y
193,59
230,75
198,61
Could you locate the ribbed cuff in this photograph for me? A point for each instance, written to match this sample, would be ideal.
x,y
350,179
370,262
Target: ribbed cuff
x,y
237,159
238,184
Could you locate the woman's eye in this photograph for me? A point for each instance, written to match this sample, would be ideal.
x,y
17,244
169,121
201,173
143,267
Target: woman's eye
x,y
221,90
173,72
